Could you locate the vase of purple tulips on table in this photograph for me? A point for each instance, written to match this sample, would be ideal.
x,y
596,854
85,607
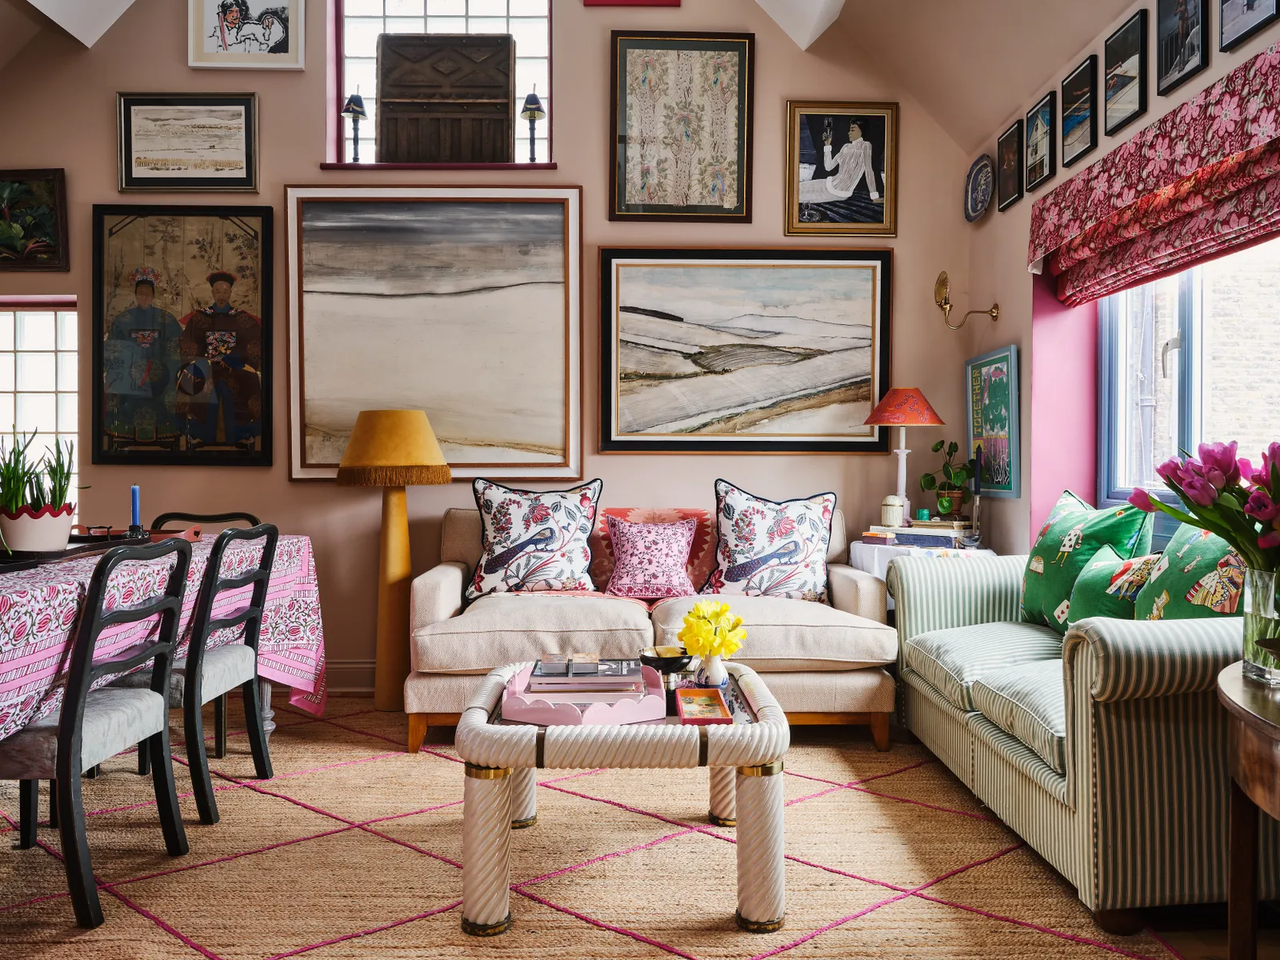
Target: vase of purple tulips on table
x,y
1239,502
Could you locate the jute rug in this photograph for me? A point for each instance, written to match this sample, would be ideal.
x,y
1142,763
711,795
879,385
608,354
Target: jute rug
x,y
354,849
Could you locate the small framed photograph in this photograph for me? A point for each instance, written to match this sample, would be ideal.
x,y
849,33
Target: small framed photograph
x,y
701,706
1124,59
1238,20
1009,167
1042,140
35,215
1182,49
1080,111
842,177
188,141
247,34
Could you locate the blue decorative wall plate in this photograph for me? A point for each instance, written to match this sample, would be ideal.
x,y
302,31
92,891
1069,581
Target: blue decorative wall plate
x,y
978,187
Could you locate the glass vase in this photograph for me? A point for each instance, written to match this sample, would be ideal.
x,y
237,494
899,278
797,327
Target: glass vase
x,y
1261,627
711,673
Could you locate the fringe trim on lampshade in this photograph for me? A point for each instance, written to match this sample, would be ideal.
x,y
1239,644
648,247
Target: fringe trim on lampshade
x,y
394,476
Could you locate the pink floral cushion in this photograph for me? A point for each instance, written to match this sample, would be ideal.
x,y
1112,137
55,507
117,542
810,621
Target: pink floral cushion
x,y
650,559
702,555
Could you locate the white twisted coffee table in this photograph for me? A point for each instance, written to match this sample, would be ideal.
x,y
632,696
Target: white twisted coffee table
x,y
499,792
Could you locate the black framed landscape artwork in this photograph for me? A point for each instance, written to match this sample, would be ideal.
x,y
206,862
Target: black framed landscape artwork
x,y
842,176
743,350
1080,111
33,220
1042,140
1238,20
1124,58
681,126
182,335
1182,48
464,302
1009,167
188,141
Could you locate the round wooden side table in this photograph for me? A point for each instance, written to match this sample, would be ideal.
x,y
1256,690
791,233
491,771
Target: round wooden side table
x,y
1253,753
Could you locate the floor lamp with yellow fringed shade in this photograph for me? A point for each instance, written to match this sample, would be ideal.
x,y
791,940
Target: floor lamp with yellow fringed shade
x,y
392,449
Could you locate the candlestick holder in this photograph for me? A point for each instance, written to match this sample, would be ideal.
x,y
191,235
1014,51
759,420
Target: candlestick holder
x,y
136,531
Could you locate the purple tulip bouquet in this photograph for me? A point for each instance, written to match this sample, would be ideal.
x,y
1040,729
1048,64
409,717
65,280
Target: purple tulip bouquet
x,y
1239,502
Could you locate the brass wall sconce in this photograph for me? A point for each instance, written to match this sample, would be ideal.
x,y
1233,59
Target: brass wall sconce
x,y
941,296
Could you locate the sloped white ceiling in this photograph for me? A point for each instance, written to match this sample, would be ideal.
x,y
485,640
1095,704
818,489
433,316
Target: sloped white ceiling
x,y
803,20
86,20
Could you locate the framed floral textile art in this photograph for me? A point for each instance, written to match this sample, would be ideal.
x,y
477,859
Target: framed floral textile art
x,y
681,126
33,220
182,302
993,420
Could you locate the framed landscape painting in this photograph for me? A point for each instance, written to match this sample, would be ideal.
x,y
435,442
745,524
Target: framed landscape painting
x,y
743,350
182,335
247,34
33,220
993,420
188,141
842,176
681,126
464,302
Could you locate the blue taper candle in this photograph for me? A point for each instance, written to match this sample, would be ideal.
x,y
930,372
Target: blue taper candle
x,y
137,507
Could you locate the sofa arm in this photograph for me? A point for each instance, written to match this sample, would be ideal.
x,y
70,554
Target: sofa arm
x,y
938,593
857,592
1134,660
437,594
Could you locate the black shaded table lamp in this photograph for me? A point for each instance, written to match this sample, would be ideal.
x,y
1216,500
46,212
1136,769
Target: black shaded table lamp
x,y
354,109
532,112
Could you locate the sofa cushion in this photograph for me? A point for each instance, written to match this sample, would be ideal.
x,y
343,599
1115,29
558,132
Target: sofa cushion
x,y
514,627
1198,576
787,635
702,551
951,660
651,558
1028,702
1109,584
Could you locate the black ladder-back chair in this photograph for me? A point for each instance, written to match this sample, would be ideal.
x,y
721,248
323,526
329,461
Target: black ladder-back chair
x,y
191,695
69,730
233,517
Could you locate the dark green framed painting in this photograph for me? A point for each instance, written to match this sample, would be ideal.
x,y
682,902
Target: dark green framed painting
x,y
33,220
993,420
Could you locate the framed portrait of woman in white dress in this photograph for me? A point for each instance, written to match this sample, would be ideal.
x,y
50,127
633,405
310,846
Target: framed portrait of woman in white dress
x,y
842,169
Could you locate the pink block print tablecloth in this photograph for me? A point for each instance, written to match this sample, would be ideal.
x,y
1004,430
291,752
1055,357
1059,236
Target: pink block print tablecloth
x,y
39,608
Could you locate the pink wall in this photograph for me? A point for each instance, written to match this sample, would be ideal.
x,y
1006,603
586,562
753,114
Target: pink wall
x,y
67,119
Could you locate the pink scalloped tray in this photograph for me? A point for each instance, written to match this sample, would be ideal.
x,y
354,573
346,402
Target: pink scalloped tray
x,y
518,705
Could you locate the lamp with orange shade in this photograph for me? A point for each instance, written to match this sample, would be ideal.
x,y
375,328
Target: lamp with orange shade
x,y
902,408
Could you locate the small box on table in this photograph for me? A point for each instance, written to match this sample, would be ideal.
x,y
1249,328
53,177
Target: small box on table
x,y
702,705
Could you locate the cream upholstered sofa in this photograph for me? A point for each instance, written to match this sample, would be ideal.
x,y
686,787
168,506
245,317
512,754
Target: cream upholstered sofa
x,y
824,663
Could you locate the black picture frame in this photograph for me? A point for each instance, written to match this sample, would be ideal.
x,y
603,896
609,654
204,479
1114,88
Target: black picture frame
x,y
674,421
1080,111
1175,38
179,171
180,243
738,162
1041,156
1124,59
42,244
1270,11
1009,167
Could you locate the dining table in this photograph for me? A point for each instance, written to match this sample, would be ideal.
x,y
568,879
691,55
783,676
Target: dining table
x,y
40,607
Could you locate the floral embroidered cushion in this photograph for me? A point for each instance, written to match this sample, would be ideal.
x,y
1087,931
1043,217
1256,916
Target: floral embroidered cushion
x,y
534,540
702,553
768,549
1071,536
1109,584
650,559
1199,575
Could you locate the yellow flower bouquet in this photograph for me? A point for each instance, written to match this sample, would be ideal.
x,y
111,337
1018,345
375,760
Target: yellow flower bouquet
x,y
711,630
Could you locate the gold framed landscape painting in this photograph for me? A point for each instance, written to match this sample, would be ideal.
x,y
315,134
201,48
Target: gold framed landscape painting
x,y
842,169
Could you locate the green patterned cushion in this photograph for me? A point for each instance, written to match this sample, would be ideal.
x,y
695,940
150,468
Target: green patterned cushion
x,y
1198,576
1109,584
1071,536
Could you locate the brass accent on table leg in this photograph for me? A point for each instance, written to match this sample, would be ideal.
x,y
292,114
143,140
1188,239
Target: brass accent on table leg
x,y
770,769
755,926
487,773
527,822
721,821
486,929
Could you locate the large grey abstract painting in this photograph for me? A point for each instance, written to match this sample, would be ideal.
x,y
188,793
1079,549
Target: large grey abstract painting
x,y
743,350
463,302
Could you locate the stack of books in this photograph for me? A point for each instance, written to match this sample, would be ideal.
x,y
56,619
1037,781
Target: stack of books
x,y
583,678
922,533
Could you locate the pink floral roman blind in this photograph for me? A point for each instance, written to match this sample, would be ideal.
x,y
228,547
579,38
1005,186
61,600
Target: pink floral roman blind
x,y
1200,181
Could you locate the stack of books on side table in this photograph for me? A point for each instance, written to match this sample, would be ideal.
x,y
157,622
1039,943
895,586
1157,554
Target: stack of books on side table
x,y
583,678
923,533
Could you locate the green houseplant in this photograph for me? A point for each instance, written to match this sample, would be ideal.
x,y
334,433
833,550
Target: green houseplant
x,y
34,511
950,481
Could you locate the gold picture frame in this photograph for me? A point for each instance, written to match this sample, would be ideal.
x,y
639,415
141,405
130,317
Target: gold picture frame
x,y
841,182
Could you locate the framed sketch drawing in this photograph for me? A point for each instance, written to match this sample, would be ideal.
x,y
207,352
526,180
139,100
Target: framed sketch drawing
x,y
182,335
842,177
681,126
188,141
247,34
743,350
460,301
33,220
993,420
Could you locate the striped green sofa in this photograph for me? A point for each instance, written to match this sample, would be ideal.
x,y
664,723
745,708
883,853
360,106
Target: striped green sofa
x,y
1106,752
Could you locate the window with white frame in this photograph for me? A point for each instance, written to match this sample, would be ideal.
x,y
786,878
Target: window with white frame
x,y
528,22
1189,359
38,370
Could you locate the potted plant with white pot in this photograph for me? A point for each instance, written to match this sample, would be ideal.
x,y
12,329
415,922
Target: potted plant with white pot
x,y
34,512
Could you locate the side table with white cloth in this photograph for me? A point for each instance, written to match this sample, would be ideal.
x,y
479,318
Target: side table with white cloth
x,y
874,558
